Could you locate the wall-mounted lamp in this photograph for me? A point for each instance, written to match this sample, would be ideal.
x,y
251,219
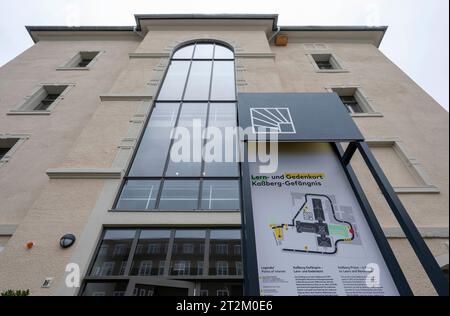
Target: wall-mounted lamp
x,y
67,240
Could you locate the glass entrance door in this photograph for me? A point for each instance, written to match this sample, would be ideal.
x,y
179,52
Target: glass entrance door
x,y
142,287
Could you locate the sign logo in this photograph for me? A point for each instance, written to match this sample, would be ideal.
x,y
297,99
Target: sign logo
x,y
271,121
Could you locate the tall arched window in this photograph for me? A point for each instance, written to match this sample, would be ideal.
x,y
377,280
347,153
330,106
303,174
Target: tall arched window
x,y
199,85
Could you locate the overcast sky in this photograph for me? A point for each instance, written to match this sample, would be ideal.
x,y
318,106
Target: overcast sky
x,y
417,39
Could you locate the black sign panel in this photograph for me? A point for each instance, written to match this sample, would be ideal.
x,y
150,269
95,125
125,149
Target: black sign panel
x,y
301,117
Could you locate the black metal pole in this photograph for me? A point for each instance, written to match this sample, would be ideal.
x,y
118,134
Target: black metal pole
x,y
391,261
421,249
251,276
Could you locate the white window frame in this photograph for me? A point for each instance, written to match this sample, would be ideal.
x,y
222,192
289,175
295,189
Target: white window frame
x,y
367,104
119,249
30,101
70,63
239,267
200,267
107,266
222,249
221,292
153,248
223,267
145,266
20,139
181,265
123,267
415,168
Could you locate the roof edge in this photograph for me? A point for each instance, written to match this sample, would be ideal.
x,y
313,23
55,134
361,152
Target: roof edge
x,y
220,16
272,17
54,28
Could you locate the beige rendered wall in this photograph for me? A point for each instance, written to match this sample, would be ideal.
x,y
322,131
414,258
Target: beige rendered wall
x,y
81,132
81,206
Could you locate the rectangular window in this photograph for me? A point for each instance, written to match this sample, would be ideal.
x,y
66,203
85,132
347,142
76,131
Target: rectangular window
x,y
326,63
6,144
109,262
220,195
192,167
138,195
179,195
173,86
199,79
221,241
221,116
81,60
190,242
153,149
223,83
186,258
351,104
105,289
355,101
42,100
154,241
222,267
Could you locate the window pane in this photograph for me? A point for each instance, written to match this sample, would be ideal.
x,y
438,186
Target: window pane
x,y
223,86
113,253
192,111
105,289
184,52
151,252
222,115
191,163
179,195
221,289
203,51
221,52
188,252
198,82
138,195
220,195
225,252
154,147
173,86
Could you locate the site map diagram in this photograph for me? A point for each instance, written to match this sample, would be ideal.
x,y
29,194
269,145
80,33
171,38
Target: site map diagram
x,y
317,225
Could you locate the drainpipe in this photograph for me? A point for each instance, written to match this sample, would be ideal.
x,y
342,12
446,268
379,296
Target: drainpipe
x,y
137,33
274,34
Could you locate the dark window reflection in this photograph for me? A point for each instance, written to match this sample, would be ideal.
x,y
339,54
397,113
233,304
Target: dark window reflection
x,y
188,252
224,253
105,289
151,252
221,289
113,253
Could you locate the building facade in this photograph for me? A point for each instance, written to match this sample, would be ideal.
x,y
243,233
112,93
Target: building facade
x,y
85,121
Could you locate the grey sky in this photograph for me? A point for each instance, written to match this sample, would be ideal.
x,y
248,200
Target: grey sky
x,y
417,39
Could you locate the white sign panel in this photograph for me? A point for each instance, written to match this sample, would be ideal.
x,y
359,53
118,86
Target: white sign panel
x,y
311,235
